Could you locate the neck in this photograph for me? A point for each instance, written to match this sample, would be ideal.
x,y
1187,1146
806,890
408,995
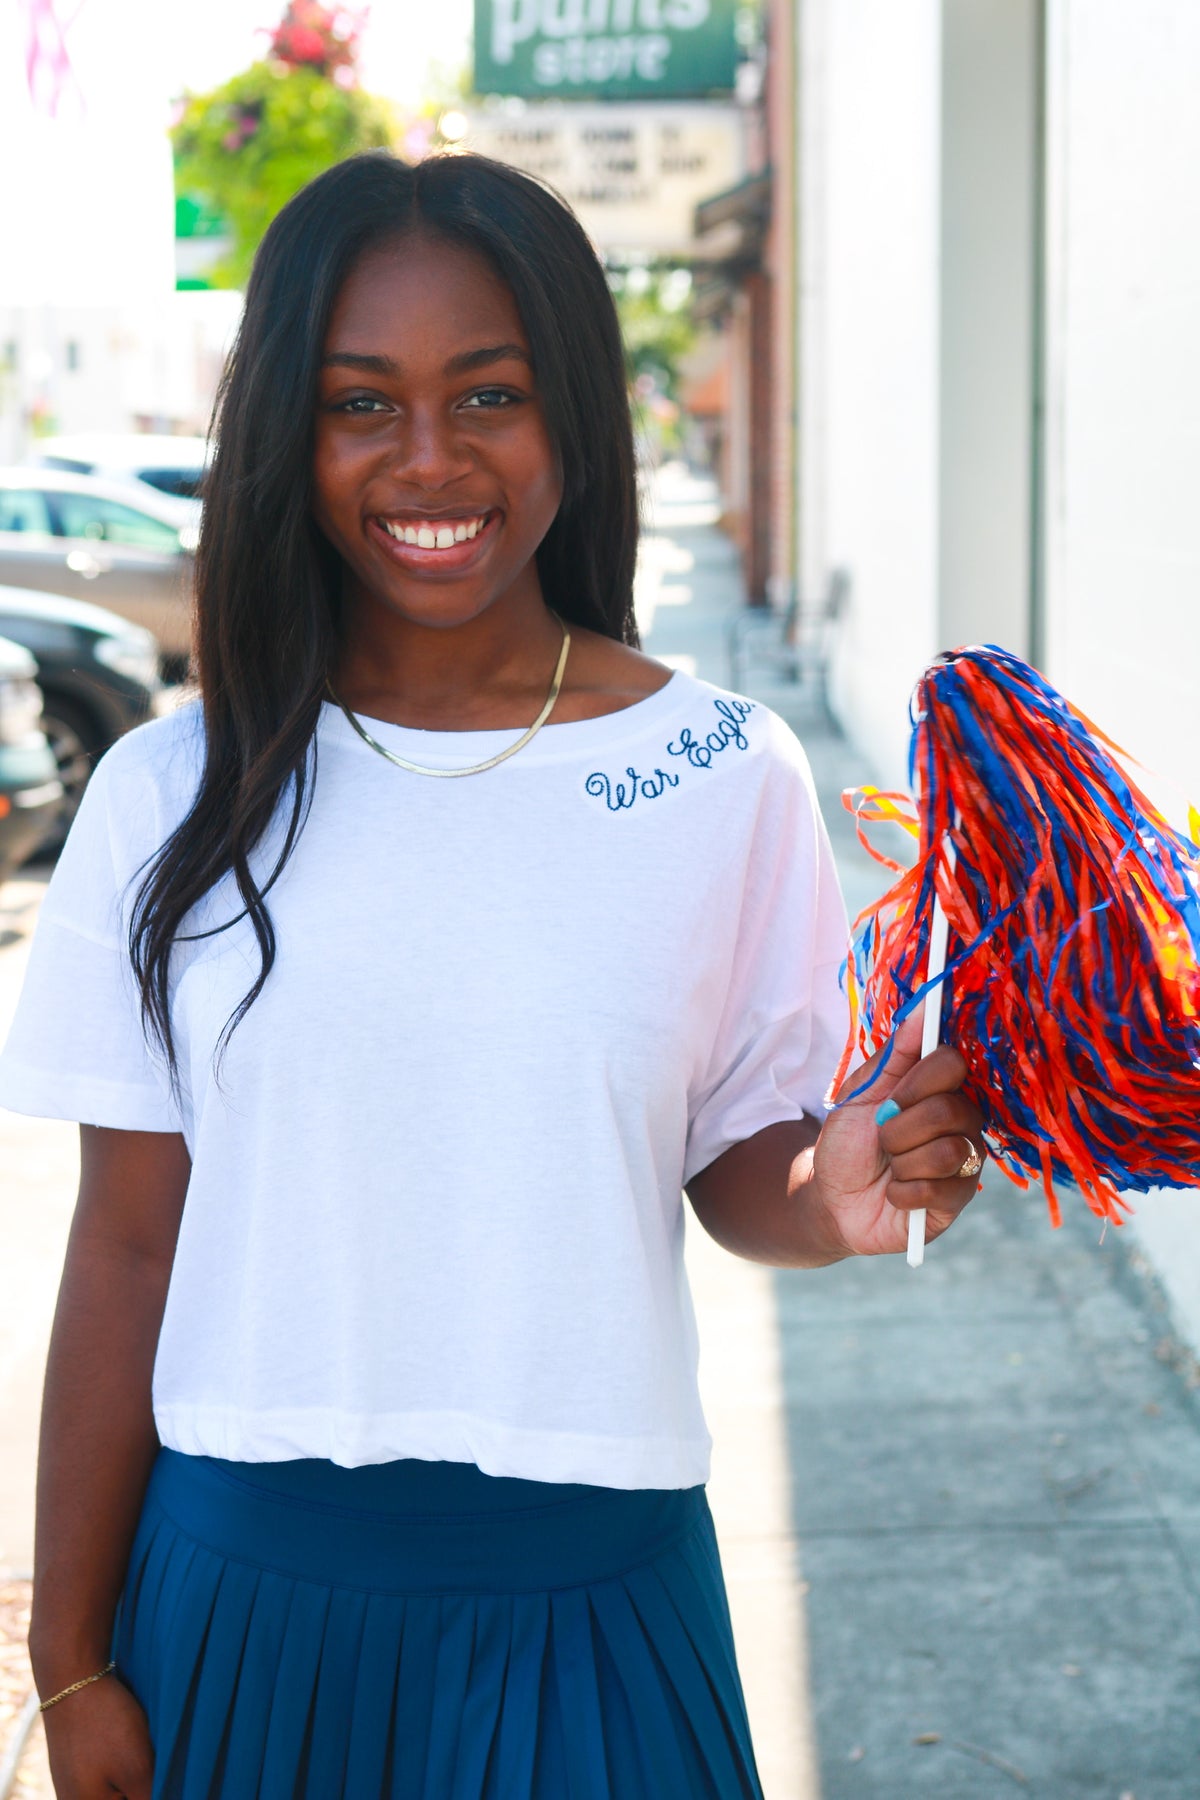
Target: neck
x,y
488,672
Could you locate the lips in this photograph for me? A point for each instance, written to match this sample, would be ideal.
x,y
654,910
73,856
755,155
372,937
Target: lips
x,y
432,541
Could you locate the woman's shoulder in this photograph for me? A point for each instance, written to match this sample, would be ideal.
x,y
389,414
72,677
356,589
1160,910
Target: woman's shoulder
x,y
139,791
712,711
164,758
167,750
604,676
612,677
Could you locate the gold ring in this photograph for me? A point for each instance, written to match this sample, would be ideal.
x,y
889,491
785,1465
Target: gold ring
x,y
972,1165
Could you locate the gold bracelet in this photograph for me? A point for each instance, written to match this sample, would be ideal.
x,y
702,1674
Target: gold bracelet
x,y
76,1685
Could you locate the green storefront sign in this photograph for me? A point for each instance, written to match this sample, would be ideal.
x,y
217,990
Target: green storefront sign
x,y
605,49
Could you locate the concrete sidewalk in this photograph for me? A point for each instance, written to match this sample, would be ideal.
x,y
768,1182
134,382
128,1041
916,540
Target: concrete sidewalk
x,y
965,1500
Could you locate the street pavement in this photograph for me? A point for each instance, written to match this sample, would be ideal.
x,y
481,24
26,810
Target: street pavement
x,y
959,1507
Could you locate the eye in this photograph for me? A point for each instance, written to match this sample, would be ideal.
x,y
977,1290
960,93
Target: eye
x,y
491,399
360,404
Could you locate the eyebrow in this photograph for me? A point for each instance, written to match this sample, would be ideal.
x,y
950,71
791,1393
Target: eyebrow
x,y
457,365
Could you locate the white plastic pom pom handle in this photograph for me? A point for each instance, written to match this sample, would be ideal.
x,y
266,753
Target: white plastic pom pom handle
x,y
931,1035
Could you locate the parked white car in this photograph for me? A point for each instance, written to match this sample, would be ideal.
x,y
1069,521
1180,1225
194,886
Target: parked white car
x,y
168,465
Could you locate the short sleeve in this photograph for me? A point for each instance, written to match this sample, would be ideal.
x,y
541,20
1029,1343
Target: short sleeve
x,y
785,1018
77,1048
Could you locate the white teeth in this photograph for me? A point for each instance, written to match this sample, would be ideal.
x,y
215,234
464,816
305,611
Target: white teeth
x,y
430,537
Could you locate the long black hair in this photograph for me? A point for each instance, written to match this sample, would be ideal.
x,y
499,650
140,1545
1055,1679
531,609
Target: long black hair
x,y
268,584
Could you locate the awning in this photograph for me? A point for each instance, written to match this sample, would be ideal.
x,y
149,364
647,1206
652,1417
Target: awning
x,y
731,226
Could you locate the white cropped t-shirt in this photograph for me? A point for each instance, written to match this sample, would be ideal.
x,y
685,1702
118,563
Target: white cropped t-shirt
x,y
434,1208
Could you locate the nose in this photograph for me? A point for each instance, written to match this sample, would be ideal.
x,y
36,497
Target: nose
x,y
430,452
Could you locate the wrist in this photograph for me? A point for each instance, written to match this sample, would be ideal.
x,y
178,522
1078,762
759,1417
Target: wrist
x,y
58,1659
77,1687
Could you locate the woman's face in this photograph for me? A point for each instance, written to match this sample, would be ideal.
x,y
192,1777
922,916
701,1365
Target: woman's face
x,y
434,475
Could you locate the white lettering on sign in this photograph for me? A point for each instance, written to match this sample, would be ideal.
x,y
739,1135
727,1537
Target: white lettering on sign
x,y
513,22
601,59
634,173
630,30
562,18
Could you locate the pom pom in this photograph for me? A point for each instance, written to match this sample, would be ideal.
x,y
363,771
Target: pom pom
x,y
1072,980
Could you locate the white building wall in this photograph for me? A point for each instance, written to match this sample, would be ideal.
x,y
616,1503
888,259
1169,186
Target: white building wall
x,y
869,350
988,217
92,332
148,366
1123,373
1123,421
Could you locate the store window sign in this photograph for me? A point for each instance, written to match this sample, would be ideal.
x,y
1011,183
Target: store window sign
x,y
634,173
616,48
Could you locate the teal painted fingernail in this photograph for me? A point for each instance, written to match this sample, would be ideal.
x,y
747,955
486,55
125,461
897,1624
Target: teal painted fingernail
x,y
888,1110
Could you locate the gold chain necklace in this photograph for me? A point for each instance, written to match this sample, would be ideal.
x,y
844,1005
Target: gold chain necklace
x,y
402,762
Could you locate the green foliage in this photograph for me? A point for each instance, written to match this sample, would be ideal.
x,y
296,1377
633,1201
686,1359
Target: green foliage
x,y
652,305
250,144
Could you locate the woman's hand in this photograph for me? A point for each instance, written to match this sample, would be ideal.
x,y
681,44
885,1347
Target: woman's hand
x,y
801,1195
868,1176
99,1744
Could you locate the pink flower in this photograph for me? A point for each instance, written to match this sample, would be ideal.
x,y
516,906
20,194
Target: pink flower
x,y
305,45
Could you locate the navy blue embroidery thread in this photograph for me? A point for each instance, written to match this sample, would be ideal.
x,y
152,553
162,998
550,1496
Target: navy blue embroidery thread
x,y
619,796
729,731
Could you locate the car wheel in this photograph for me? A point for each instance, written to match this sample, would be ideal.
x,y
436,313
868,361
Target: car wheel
x,y
76,744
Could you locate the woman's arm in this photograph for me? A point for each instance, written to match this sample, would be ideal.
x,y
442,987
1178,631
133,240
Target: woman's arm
x,y
97,1445
801,1195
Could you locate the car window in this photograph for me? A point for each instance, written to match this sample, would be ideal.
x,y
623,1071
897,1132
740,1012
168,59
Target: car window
x,y
107,521
23,511
71,464
186,482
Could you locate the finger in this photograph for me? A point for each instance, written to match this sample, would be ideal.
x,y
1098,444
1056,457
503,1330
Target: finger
x,y
943,1071
942,1115
945,1199
939,1161
882,1073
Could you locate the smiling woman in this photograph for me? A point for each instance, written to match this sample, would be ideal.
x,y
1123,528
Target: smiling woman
x,y
373,1461
434,474
416,274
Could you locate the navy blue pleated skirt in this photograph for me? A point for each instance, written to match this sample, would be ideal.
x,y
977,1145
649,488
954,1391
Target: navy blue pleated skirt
x,y
423,1631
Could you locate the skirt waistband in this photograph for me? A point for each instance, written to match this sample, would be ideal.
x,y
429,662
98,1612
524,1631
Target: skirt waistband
x,y
419,1528
409,1487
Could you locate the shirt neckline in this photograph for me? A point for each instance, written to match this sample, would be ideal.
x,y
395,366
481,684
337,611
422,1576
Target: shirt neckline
x,y
445,749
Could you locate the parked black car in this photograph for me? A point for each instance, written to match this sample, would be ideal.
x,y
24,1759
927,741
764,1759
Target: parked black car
x,y
30,791
98,675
